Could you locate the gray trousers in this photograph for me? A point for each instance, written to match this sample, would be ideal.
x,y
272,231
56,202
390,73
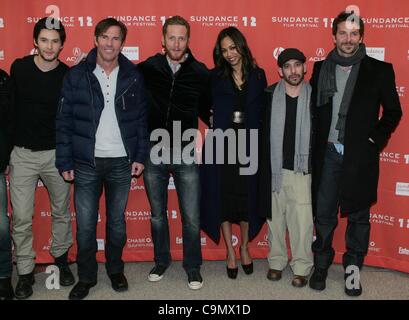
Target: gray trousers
x,y
291,209
26,167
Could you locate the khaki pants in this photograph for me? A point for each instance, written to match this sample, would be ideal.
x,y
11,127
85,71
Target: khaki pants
x,y
291,209
26,167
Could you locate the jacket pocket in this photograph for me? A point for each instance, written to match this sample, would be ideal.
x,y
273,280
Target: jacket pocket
x,y
129,101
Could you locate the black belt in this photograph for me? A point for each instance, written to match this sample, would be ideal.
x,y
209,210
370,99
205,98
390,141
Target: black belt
x,y
33,150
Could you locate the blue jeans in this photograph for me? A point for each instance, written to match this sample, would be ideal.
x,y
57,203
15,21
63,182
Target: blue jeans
x,y
186,178
6,266
326,219
114,176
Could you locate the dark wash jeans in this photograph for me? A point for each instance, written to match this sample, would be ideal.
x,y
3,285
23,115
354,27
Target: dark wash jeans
x,y
114,176
186,178
326,219
6,266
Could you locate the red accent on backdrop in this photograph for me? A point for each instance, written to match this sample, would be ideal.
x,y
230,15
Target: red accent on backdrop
x,y
268,25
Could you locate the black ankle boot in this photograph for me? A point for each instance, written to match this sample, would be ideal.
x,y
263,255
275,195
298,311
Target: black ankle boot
x,y
352,288
80,290
318,279
24,288
66,276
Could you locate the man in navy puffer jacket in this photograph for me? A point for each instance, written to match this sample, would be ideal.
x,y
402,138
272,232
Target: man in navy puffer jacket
x,y
102,140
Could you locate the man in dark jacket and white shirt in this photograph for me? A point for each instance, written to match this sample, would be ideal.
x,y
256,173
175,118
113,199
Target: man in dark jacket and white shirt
x,y
178,92
348,88
102,141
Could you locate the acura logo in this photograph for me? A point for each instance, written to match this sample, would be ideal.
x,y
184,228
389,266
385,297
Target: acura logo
x,y
277,52
76,52
234,240
320,52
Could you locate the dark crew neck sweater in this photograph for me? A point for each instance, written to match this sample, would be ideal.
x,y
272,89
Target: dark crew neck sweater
x,y
35,99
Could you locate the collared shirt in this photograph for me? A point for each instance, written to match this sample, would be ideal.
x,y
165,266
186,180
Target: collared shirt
x,y
108,142
339,147
175,67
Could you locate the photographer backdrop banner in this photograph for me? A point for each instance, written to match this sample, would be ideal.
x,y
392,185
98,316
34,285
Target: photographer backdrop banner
x,y
270,26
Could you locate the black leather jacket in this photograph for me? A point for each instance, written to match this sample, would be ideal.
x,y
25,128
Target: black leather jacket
x,y
183,96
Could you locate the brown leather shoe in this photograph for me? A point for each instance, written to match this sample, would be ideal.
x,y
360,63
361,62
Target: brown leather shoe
x,y
274,275
299,281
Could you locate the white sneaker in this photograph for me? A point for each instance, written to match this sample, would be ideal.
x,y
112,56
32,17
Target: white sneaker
x,y
156,273
195,281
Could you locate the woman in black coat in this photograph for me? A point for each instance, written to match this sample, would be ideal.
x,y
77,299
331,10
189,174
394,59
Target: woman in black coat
x,y
228,197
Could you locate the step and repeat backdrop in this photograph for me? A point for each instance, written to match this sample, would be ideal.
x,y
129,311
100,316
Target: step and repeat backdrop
x,y
270,26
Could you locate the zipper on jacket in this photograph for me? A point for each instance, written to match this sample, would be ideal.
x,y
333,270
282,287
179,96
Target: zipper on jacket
x,y
170,101
122,96
61,104
93,120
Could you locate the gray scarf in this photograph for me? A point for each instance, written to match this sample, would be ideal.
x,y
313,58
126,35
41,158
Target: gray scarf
x,y
327,83
302,132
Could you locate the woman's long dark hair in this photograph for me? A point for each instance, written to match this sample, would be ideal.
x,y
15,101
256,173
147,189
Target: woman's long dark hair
x,y
241,44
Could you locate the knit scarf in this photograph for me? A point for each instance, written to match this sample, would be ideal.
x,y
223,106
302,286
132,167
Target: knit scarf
x,y
327,84
302,132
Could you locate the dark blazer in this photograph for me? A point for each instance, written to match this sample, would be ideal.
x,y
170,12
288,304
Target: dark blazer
x,y
80,110
5,142
223,101
374,87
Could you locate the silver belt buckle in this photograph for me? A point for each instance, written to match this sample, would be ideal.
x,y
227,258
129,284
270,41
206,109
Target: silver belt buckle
x,y
238,117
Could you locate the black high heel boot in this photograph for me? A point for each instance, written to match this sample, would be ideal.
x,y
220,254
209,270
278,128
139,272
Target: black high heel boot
x,y
232,272
247,268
